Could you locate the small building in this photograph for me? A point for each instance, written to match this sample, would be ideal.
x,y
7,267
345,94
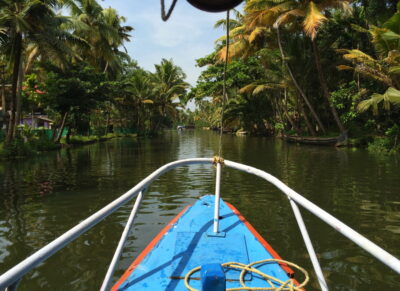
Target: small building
x,y
37,121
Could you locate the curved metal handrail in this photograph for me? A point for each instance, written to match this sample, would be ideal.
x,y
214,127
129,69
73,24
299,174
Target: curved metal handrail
x,y
13,275
351,234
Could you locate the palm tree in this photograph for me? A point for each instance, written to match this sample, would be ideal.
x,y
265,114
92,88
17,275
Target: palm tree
x,y
306,14
103,31
140,93
169,88
22,21
247,40
391,96
384,69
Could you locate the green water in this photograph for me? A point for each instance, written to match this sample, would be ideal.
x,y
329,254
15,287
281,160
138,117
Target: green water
x,y
42,197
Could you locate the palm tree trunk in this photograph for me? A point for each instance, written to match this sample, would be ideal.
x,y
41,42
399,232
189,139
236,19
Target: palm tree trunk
x,y
278,112
324,86
59,135
3,92
284,106
107,123
307,121
314,114
3,102
19,94
68,137
106,68
15,74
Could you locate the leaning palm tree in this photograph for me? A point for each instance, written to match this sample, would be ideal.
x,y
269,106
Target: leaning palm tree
x,y
308,16
247,40
274,85
242,43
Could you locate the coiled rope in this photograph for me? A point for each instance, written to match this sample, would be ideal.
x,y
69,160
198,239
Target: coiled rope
x,y
272,281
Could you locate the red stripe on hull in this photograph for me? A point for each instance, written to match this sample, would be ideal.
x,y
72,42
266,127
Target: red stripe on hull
x,y
266,245
147,250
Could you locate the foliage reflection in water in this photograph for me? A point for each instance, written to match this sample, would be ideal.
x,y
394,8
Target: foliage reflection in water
x,y
42,197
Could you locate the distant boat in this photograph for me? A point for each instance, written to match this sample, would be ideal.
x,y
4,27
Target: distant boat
x,y
328,141
182,127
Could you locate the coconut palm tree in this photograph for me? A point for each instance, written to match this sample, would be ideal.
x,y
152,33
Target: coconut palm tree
x,y
141,96
304,14
247,40
103,31
385,68
391,96
22,22
169,87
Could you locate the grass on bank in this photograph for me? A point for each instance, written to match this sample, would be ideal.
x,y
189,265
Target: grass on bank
x,y
81,140
23,146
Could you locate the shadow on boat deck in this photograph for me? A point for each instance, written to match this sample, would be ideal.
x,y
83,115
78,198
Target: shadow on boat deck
x,y
183,256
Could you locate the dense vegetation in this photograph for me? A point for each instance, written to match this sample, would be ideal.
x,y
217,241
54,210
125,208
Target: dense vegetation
x,y
296,67
74,69
311,68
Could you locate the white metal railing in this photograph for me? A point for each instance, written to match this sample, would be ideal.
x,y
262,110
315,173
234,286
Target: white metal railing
x,y
10,279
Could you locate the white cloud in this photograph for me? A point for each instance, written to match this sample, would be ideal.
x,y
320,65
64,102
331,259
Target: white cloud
x,y
185,37
178,31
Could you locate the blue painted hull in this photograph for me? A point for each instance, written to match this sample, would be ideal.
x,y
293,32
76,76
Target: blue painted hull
x,y
185,244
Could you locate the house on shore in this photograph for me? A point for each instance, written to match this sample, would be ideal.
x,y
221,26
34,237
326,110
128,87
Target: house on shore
x,y
38,120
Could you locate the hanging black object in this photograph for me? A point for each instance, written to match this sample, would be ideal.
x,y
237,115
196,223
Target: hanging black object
x,y
205,5
215,5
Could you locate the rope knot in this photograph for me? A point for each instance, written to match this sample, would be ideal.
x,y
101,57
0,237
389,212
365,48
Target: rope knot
x,y
218,160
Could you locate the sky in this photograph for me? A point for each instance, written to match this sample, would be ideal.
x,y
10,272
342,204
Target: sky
x,y
189,34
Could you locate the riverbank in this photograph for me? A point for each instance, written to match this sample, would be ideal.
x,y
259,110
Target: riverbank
x,y
373,143
388,143
25,147
83,140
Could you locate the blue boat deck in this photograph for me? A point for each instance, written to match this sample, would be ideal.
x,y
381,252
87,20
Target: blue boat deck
x,y
185,244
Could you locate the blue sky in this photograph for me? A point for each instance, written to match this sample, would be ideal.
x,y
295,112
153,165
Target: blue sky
x,y
188,35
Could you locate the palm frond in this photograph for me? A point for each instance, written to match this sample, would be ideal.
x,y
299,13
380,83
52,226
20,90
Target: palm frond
x,y
394,70
288,16
359,28
256,33
344,68
247,89
313,20
147,101
391,96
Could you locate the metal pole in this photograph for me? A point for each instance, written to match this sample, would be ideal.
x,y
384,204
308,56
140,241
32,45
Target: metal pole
x,y
13,286
217,198
309,246
121,243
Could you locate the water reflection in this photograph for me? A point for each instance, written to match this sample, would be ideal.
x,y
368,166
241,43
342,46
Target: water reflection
x,y
44,196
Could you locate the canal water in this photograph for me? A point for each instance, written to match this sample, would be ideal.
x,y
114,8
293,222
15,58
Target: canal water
x,y
44,196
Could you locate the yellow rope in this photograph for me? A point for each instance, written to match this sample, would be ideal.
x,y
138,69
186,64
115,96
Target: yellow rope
x,y
218,160
288,285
